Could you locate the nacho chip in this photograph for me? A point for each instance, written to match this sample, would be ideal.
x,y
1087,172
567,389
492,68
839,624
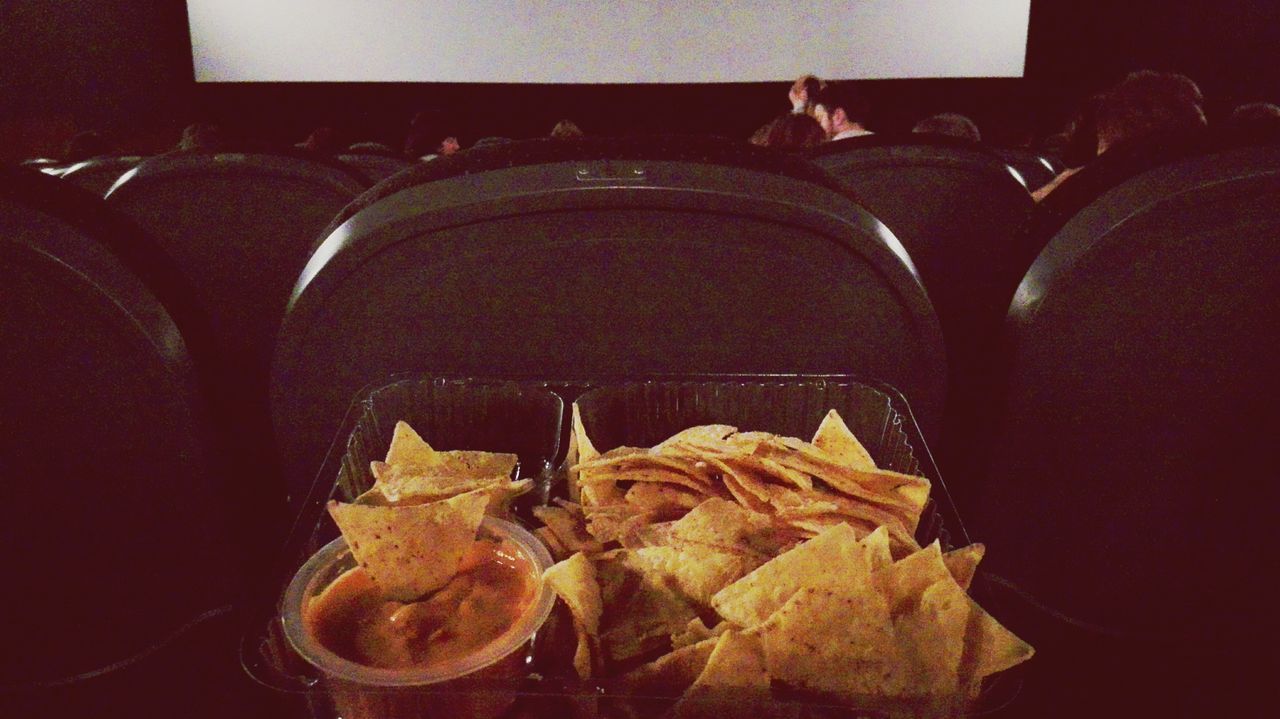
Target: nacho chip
x,y
672,673
400,484
641,609
838,641
552,542
411,453
836,554
905,581
697,631
932,636
990,648
701,433
574,581
963,563
371,497
835,438
410,551
408,447
726,526
586,450
732,684
569,527
696,571
663,498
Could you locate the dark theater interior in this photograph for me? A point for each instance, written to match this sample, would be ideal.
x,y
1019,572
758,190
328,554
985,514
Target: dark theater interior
x,y
405,359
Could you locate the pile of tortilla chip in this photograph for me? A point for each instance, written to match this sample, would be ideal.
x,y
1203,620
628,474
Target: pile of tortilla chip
x,y
724,570
805,486
411,530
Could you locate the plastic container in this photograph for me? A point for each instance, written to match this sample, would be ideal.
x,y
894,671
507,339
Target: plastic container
x,y
482,685
531,417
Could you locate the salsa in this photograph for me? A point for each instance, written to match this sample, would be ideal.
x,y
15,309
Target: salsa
x,y
496,582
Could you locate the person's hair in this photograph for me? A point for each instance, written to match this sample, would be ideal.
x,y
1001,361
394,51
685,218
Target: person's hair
x,y
1255,118
1079,139
790,131
83,146
811,85
951,124
1147,104
203,136
843,96
566,129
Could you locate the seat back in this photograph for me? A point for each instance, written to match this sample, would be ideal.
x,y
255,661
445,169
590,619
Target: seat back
x,y
240,227
1131,480
957,208
598,257
375,167
98,174
1035,169
116,532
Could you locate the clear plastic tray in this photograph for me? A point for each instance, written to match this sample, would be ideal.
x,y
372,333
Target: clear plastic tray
x,y
530,417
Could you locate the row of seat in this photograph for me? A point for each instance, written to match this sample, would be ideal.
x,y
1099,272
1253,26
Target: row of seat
x,y
98,174
1133,352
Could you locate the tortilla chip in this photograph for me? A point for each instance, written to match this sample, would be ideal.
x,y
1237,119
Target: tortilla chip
x,y
401,484
371,497
963,563
552,542
835,438
586,450
574,581
905,581
732,684
696,571
569,527
408,447
990,648
697,631
663,498
410,551
413,455
834,553
845,627
641,610
879,486
932,636
701,433
726,526
671,673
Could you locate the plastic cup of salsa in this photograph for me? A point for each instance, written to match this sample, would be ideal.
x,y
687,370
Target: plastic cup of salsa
x,y
481,682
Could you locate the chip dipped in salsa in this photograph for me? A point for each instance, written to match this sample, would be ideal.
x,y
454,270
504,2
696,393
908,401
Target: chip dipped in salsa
x,y
496,583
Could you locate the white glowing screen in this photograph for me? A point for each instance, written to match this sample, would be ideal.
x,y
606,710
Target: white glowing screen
x,y
604,41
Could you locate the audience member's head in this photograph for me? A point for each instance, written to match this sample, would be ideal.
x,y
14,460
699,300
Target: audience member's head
x,y
804,92
841,110
1255,119
323,140
203,136
790,131
83,146
1077,144
1148,104
430,135
951,124
566,129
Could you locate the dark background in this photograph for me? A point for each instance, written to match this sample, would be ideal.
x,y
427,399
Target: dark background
x,y
123,67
